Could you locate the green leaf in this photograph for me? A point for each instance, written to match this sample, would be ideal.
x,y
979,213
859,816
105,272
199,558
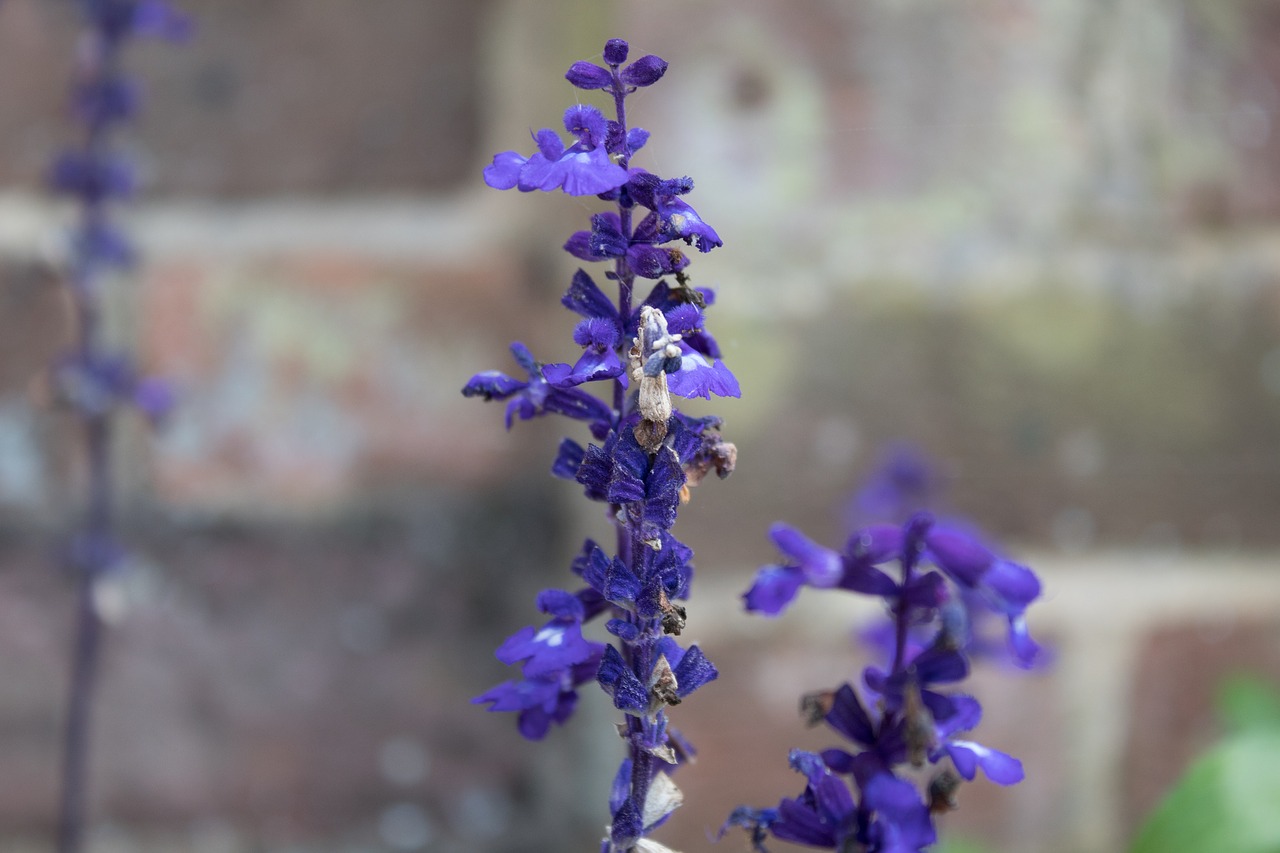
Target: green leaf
x,y
1226,802
1248,702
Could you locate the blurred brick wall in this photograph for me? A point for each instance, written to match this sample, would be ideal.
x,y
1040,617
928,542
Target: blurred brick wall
x,y
1048,255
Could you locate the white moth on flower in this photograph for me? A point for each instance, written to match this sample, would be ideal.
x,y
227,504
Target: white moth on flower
x,y
655,352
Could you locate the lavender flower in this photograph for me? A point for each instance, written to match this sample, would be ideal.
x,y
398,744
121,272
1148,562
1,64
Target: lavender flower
x,y
648,454
92,379
905,717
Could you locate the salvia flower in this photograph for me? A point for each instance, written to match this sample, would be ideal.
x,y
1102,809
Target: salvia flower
x,y
645,456
584,168
91,379
903,720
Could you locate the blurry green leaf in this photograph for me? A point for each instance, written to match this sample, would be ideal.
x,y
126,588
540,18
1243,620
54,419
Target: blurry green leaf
x,y
1248,702
1227,802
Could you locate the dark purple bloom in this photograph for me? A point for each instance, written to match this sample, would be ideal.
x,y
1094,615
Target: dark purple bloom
x,y
535,396
673,218
906,718
543,700
555,646
825,815
598,336
901,823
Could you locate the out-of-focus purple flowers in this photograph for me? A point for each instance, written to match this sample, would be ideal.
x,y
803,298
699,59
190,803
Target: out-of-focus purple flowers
x,y
646,455
91,379
936,580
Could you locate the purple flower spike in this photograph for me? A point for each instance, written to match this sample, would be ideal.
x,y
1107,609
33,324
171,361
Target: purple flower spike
x,y
906,718
646,458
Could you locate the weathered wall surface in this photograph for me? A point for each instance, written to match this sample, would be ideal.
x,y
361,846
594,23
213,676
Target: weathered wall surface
x,y
1038,239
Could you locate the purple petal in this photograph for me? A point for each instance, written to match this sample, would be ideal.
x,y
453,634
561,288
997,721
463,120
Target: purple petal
x,y
586,123
850,718
693,671
876,544
621,683
504,171
902,819
493,385
568,458
858,576
683,221
586,298
561,604
966,713
556,646
1000,768
549,144
591,173
541,173
1026,651
960,556
649,261
774,589
519,695
699,378
821,566
636,139
1010,586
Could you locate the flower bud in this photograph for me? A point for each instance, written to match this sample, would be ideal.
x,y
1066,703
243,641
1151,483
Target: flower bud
x,y
588,75
615,51
645,71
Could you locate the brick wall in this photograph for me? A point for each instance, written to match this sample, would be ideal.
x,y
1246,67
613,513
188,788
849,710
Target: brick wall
x,y
1046,254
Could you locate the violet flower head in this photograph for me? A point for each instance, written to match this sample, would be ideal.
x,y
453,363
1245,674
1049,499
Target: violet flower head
x,y
636,352
904,716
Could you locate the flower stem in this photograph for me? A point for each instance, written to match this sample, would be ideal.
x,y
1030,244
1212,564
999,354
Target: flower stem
x,y
84,664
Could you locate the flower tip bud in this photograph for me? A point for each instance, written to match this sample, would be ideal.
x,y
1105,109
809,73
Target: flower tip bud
x,y
615,51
